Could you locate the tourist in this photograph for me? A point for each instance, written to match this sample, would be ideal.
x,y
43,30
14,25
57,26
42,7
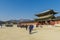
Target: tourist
x,y
1,25
30,28
26,26
37,25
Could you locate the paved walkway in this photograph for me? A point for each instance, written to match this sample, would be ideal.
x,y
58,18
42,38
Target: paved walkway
x,y
14,33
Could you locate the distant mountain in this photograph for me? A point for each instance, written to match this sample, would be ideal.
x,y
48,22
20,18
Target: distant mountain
x,y
24,20
57,18
13,21
2,22
20,20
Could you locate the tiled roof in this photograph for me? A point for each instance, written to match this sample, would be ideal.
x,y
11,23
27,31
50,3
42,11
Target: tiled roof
x,y
46,12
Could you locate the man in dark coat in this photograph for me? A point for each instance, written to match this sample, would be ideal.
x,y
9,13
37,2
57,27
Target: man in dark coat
x,y
30,28
26,26
1,25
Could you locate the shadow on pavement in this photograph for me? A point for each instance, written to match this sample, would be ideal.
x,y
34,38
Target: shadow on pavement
x,y
34,32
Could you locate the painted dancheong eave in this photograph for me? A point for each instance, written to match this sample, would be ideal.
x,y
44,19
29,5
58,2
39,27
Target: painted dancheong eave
x,y
46,16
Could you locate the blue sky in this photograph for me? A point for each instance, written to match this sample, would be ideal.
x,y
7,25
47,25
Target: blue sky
x,y
18,9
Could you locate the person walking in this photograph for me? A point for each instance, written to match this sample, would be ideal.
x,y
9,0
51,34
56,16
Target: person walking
x,y
1,25
26,26
30,28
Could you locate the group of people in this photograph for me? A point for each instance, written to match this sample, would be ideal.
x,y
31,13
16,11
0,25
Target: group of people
x,y
30,28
